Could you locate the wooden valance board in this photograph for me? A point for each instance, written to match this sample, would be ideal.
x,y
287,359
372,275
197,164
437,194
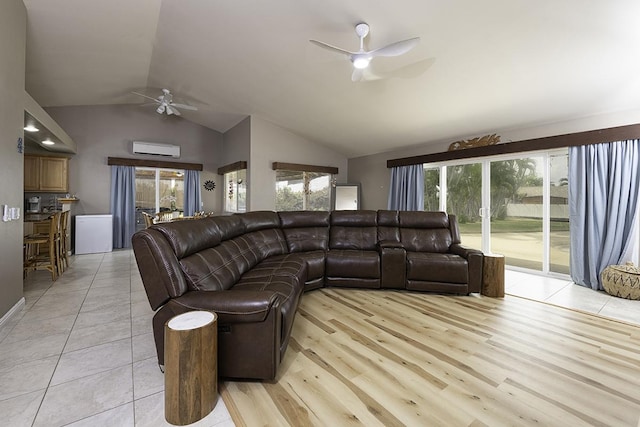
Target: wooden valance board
x,y
304,168
619,133
122,161
232,167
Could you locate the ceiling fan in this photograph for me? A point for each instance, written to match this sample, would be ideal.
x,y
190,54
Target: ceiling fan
x,y
362,58
165,103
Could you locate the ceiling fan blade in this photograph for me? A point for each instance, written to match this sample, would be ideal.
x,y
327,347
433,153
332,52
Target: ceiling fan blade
x,y
331,48
397,48
171,110
145,96
184,106
357,75
368,75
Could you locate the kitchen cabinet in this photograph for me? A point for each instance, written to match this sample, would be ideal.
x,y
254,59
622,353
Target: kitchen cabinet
x,y
49,174
31,173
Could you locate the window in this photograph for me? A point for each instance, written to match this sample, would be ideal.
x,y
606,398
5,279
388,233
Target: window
x,y
235,184
431,189
158,190
298,190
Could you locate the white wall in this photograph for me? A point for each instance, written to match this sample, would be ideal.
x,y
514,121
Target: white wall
x,y
107,131
13,27
371,171
271,143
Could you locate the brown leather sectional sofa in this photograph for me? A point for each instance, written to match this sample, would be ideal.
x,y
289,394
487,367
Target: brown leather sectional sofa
x,y
252,268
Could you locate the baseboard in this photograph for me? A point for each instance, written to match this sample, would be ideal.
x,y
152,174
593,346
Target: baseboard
x,y
17,307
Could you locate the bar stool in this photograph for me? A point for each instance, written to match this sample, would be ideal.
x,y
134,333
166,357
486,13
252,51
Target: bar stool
x,y
148,219
50,260
63,241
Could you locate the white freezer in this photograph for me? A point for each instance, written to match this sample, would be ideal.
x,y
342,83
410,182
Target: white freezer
x,y
94,234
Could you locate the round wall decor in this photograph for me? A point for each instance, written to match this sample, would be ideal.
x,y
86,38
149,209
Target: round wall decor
x,y
209,185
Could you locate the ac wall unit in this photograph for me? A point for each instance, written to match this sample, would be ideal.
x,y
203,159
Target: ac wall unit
x,y
167,150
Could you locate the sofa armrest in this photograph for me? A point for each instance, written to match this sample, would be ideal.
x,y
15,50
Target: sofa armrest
x,y
393,264
232,306
475,259
463,251
390,244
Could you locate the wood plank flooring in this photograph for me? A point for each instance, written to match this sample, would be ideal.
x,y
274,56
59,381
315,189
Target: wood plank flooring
x,y
387,358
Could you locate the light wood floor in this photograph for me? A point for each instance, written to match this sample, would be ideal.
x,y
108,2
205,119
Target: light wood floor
x,y
393,358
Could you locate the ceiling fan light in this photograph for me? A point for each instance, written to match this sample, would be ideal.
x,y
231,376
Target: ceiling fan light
x,y
361,62
160,109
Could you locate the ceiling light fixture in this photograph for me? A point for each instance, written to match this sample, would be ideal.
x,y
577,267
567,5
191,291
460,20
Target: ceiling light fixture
x,y
48,142
31,128
361,62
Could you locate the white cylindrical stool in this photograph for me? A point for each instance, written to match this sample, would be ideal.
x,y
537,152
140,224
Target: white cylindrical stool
x,y
191,367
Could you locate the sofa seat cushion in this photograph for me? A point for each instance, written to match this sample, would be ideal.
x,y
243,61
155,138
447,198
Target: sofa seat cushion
x,y
288,285
315,263
352,263
436,267
279,265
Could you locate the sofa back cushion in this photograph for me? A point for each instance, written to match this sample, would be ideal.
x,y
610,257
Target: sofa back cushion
x,y
229,226
189,237
263,229
305,230
245,240
219,268
259,220
388,226
353,230
425,231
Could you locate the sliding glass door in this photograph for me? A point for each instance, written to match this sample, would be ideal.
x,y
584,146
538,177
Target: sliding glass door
x,y
158,190
559,213
516,211
515,206
464,199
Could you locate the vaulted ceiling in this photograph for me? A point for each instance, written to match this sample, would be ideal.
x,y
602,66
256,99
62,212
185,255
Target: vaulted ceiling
x,y
480,65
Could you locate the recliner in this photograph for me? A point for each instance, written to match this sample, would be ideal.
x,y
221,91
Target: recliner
x,y
252,268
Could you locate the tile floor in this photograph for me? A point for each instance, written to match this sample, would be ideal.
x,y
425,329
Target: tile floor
x,y
565,293
81,352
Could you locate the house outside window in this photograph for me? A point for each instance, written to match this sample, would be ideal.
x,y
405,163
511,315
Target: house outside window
x,y
235,187
300,190
158,190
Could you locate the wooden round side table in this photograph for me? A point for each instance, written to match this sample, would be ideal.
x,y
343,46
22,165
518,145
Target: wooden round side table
x,y
493,275
191,367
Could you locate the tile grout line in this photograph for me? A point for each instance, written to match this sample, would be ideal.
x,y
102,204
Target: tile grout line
x,y
65,344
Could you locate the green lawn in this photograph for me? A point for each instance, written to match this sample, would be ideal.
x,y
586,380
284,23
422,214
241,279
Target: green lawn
x,y
519,225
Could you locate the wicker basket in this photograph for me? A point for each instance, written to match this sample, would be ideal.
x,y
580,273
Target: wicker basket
x,y
622,281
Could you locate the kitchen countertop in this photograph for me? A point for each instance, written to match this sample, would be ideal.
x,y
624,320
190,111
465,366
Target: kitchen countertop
x,y
36,217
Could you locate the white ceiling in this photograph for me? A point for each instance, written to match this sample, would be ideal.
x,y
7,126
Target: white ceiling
x,y
480,65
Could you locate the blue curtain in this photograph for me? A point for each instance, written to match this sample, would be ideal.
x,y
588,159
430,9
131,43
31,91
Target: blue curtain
x,y
123,205
603,202
192,200
406,191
